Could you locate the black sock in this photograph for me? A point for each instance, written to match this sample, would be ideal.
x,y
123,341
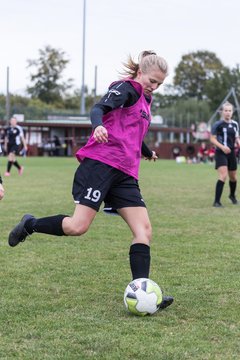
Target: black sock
x,y
232,185
139,260
49,225
9,165
219,190
17,165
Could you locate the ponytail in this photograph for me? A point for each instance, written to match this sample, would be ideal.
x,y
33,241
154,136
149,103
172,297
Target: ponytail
x,y
146,59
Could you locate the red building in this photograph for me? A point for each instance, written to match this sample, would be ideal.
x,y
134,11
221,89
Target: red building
x,y
73,133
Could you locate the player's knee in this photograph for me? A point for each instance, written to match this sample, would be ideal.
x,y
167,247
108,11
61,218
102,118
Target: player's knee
x,y
233,178
76,229
223,177
80,229
148,231
144,234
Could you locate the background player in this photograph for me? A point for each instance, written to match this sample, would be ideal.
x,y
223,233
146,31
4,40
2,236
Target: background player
x,y
13,138
224,135
1,185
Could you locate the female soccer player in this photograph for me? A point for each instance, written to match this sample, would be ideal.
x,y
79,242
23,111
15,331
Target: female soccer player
x,y
110,165
224,135
1,189
1,185
13,138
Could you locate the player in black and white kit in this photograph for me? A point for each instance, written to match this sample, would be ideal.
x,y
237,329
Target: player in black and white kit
x,y
14,137
225,135
1,185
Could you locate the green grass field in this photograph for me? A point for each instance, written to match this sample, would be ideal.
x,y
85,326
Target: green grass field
x,y
62,297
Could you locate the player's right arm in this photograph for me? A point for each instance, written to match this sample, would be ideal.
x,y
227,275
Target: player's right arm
x,y
222,147
5,140
214,140
117,96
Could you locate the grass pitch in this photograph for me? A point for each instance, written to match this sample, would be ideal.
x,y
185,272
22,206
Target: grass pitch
x,y
62,297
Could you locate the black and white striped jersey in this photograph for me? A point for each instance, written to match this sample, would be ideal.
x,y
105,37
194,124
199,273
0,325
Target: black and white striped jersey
x,y
226,132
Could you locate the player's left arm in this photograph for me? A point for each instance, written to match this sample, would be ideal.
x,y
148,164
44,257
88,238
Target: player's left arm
x,y
237,138
147,153
1,189
237,141
23,140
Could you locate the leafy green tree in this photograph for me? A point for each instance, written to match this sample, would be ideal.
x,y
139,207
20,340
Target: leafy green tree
x,y
218,87
185,112
194,70
171,95
72,101
2,106
47,85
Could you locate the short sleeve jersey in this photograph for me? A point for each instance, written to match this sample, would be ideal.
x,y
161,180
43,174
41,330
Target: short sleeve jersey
x,y
226,132
14,134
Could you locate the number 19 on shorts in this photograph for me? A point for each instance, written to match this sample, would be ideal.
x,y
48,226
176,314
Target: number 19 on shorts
x,y
93,195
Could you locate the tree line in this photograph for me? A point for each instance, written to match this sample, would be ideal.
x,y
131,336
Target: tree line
x,y
200,83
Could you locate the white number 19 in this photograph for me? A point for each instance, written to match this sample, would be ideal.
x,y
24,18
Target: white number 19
x,y
93,195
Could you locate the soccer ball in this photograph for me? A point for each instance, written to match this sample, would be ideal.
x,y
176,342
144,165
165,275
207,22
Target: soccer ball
x,y
142,297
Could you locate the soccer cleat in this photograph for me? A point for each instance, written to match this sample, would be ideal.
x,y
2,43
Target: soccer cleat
x,y
7,173
19,233
233,199
217,204
166,301
20,171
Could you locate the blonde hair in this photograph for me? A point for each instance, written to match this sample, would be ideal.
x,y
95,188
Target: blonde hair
x,y
226,103
147,59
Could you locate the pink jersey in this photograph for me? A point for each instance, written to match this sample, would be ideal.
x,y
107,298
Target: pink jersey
x,y
126,128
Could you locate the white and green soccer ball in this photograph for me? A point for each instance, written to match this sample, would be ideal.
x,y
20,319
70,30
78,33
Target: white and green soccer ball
x,y
142,297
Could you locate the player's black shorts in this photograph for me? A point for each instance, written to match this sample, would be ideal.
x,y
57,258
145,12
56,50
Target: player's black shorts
x,y
228,160
13,148
95,182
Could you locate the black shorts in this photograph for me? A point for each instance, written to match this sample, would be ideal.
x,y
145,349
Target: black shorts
x,y
13,148
228,160
95,182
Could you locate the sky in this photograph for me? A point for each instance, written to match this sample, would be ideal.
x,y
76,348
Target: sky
x,y
114,30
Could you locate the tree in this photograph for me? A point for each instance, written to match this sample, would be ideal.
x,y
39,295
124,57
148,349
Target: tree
x,y
48,73
194,70
185,112
171,95
218,87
